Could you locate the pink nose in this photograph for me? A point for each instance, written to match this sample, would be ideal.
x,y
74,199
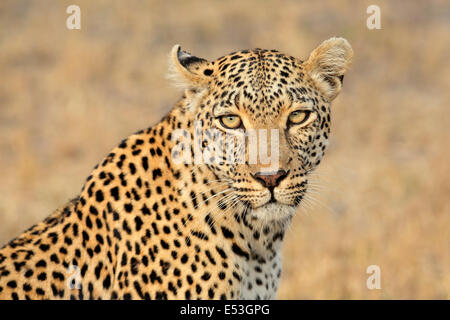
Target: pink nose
x,y
270,180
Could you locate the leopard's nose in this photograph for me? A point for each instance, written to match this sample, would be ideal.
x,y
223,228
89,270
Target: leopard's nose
x,y
270,179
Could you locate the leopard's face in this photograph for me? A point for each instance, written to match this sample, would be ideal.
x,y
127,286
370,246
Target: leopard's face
x,y
263,122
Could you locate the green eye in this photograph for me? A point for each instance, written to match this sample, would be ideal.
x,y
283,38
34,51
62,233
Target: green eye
x,y
299,116
231,121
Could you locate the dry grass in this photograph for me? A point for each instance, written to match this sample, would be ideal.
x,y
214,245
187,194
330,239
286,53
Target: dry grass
x,y
67,97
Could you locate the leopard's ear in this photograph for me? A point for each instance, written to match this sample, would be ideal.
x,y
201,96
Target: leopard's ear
x,y
327,65
188,71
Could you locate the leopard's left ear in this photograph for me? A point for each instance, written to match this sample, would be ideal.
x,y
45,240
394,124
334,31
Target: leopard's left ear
x,y
327,65
188,71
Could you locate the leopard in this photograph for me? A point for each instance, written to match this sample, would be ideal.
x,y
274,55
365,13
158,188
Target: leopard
x,y
166,215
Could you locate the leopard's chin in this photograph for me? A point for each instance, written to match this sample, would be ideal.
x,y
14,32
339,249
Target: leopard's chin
x,y
273,211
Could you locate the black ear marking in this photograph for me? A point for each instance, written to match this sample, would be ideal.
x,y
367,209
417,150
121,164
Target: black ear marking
x,y
186,59
208,72
341,78
330,80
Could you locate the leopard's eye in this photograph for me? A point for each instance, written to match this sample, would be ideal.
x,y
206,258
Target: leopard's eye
x,y
231,121
299,116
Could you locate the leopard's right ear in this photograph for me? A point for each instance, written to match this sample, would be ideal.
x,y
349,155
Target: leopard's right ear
x,y
187,71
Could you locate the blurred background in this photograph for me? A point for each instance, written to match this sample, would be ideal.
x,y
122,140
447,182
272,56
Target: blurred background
x,y
381,195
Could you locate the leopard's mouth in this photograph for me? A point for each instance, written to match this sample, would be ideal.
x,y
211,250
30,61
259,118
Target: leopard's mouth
x,y
291,195
283,197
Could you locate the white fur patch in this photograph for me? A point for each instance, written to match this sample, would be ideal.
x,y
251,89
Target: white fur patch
x,y
273,212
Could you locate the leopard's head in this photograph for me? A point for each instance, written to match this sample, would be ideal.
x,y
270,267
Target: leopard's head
x,y
262,119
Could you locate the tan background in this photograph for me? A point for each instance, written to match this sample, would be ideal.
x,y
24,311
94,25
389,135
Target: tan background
x,y
382,194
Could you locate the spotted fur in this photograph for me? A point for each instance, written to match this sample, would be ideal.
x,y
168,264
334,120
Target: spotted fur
x,y
144,227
